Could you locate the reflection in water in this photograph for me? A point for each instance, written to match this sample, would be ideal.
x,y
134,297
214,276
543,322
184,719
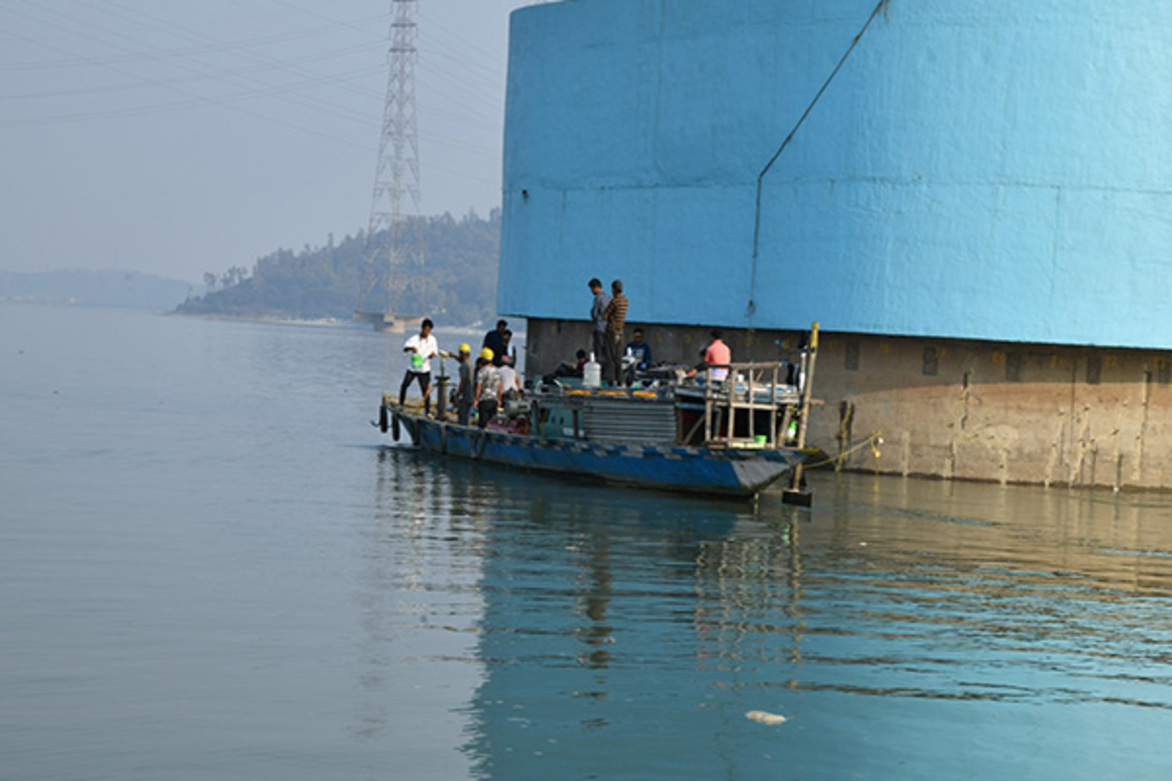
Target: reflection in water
x,y
597,595
906,629
418,594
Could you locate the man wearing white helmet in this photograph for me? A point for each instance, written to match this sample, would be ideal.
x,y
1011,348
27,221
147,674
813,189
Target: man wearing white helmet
x,y
466,386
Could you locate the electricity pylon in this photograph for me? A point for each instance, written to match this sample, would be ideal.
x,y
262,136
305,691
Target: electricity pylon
x,y
396,176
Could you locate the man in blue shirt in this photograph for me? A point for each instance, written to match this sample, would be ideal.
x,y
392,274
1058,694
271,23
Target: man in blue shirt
x,y
637,356
598,318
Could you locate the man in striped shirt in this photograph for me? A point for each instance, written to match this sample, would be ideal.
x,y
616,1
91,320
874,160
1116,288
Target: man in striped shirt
x,y
616,318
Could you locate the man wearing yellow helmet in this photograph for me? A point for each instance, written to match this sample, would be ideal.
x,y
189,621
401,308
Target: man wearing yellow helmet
x,y
488,388
466,386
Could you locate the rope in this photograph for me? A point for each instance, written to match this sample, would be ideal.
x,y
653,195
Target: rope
x,y
875,440
881,6
844,427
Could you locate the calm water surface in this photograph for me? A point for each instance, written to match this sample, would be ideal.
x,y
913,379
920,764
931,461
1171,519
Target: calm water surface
x,y
213,567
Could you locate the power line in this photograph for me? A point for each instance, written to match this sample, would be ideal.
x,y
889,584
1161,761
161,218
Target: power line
x,y
189,66
157,55
194,98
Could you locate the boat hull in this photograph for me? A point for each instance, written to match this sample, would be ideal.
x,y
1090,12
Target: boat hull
x,y
724,472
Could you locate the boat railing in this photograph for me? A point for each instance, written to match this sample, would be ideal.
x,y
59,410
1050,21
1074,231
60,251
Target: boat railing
x,y
746,405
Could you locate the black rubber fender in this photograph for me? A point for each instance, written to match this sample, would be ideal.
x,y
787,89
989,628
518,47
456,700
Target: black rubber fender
x,y
395,433
382,418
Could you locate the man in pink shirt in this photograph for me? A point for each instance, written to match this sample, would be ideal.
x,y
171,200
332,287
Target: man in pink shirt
x,y
718,356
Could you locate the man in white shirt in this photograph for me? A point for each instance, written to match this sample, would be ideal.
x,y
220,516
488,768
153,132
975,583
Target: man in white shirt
x,y
510,382
420,348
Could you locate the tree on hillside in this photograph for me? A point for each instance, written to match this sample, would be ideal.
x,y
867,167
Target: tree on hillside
x,y
455,281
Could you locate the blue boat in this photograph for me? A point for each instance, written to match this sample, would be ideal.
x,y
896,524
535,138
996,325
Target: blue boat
x,y
728,438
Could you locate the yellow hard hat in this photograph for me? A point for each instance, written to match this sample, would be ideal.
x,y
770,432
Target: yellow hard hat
x,y
464,348
486,353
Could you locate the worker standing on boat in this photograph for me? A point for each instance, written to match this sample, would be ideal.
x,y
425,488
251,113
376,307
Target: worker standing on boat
x,y
488,388
717,356
510,383
508,353
598,318
616,318
421,348
495,341
466,386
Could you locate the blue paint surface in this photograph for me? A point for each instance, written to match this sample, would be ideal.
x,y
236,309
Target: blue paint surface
x,y
994,170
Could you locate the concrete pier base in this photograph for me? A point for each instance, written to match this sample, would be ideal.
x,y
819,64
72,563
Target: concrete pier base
x,y
1004,412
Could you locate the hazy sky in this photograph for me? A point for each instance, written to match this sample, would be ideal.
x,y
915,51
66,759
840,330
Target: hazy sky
x,y
178,137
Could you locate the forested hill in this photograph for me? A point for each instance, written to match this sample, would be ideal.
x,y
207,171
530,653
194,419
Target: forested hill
x,y
454,283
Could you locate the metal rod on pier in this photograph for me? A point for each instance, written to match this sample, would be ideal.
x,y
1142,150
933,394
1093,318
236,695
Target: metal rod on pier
x,y
795,495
